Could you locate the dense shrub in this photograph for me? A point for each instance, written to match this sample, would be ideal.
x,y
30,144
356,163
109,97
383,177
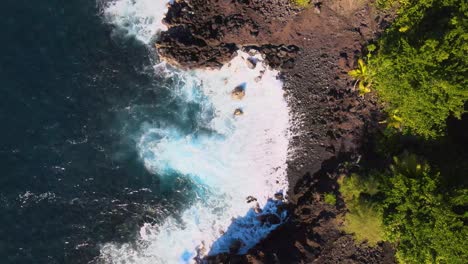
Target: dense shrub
x,y
425,221
330,199
364,219
421,218
420,67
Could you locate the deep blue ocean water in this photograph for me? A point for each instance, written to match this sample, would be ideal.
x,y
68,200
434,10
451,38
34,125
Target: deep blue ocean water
x,y
73,98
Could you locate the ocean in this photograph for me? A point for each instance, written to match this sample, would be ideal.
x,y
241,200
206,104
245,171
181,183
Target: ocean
x,y
110,155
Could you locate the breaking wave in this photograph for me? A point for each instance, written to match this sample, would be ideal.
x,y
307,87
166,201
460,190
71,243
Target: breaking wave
x,y
139,18
234,151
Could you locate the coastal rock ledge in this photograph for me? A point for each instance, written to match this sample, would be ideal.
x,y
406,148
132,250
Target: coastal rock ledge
x,y
314,48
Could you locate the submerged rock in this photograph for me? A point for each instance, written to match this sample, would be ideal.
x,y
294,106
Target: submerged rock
x,y
251,62
257,209
279,196
238,112
252,52
238,93
250,199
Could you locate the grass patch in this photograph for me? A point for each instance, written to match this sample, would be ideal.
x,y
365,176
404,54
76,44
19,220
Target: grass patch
x,y
301,3
330,199
364,219
365,223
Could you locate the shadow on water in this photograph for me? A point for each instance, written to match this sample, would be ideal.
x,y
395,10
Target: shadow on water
x,y
246,231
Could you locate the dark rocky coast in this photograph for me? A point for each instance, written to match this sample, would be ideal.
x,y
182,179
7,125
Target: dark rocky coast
x,y
314,48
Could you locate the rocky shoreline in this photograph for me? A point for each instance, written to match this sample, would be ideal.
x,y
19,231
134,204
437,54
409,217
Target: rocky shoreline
x,y
313,48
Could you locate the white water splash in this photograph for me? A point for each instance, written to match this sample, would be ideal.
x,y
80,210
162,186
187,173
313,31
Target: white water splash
x,y
230,157
139,18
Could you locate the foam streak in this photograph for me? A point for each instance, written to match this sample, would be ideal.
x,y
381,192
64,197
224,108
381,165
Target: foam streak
x,y
229,157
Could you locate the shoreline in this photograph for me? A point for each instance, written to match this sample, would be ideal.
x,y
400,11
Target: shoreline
x,y
314,49
221,153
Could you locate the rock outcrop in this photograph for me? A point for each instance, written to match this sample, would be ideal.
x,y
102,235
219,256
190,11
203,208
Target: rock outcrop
x,y
238,92
314,48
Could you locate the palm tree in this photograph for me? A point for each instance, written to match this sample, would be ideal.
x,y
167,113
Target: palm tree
x,y
362,76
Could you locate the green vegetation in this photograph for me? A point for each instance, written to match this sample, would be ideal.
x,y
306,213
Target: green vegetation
x,y
419,70
423,219
420,66
364,219
365,223
301,3
362,76
330,199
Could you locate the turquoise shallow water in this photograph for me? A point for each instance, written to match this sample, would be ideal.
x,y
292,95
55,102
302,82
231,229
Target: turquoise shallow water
x,y
73,98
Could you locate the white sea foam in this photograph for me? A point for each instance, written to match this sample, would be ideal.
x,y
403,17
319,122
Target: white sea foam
x,y
229,158
139,18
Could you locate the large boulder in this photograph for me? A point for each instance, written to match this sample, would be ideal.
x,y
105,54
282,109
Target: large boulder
x,y
238,112
238,93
